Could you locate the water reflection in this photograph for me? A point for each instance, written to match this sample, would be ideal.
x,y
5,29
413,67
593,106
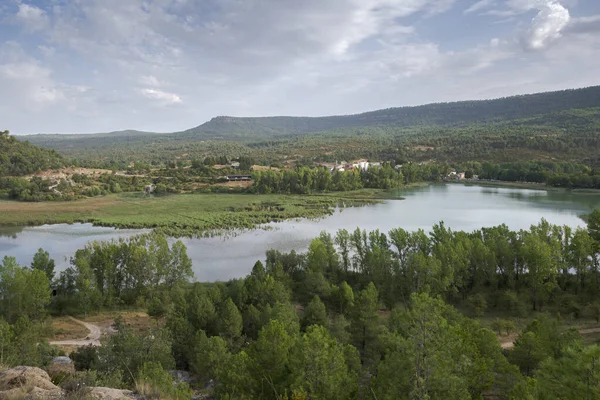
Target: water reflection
x,y
221,258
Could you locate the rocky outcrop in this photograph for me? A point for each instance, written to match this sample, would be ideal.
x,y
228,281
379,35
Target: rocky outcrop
x,y
28,382
34,383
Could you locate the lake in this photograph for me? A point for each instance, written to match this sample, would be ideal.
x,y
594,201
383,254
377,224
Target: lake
x,y
461,207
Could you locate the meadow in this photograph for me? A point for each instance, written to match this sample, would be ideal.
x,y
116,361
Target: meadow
x,y
189,215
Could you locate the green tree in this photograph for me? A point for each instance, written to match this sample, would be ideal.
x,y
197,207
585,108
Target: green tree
x,y
23,292
575,375
209,356
365,322
153,382
319,368
269,360
126,351
315,313
342,297
230,321
43,262
541,268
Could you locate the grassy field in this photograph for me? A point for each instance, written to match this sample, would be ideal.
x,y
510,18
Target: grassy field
x,y
181,215
64,328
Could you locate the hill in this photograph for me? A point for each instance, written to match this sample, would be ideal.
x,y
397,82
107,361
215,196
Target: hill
x,y
22,158
563,125
441,114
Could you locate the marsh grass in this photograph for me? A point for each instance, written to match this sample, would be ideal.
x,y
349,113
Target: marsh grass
x,y
183,215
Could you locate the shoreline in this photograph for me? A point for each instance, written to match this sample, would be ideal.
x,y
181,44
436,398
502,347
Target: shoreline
x,y
523,185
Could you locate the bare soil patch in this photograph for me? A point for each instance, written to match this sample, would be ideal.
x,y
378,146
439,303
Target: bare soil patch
x,y
239,184
138,320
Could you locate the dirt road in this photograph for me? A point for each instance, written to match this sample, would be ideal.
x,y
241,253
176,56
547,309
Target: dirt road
x,y
92,338
510,345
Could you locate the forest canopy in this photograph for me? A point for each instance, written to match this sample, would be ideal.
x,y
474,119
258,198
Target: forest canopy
x,y
22,158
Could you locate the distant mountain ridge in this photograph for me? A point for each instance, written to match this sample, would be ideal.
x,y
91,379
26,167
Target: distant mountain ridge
x,y
558,125
442,114
437,114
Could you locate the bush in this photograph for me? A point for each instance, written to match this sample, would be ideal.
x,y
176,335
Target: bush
x,y
84,357
158,307
155,383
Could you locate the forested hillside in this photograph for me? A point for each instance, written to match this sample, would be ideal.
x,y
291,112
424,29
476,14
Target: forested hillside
x,y
22,158
457,113
560,126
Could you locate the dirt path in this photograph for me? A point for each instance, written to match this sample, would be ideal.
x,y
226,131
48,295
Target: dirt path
x,y
511,344
92,338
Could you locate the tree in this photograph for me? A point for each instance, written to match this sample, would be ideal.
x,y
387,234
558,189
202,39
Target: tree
x,y
541,268
315,313
269,360
342,297
593,224
319,368
43,262
576,375
364,322
23,292
342,240
125,351
154,382
230,321
209,356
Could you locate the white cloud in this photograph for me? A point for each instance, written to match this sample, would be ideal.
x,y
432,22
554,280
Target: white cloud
x,y
164,97
94,60
548,24
479,5
32,17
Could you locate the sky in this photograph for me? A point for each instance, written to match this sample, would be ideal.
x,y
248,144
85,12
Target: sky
x,y
85,66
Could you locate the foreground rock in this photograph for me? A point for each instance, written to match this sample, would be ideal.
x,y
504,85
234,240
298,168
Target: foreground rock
x,y
28,382
110,394
35,383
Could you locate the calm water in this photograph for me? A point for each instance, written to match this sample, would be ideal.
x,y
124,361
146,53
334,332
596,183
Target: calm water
x,y
460,207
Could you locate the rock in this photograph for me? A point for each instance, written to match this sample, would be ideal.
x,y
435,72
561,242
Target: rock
x,y
180,376
61,366
28,382
62,360
110,394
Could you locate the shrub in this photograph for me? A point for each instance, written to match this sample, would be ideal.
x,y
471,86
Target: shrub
x,y
84,357
155,383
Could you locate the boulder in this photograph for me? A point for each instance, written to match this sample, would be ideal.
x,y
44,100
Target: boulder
x,y
61,366
110,394
28,382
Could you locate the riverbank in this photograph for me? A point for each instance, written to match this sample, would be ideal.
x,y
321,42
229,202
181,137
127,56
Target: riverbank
x,y
183,215
522,185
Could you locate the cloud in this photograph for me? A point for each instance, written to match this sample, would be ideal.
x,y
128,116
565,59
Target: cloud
x,y
104,65
32,17
547,25
163,97
480,5
584,24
